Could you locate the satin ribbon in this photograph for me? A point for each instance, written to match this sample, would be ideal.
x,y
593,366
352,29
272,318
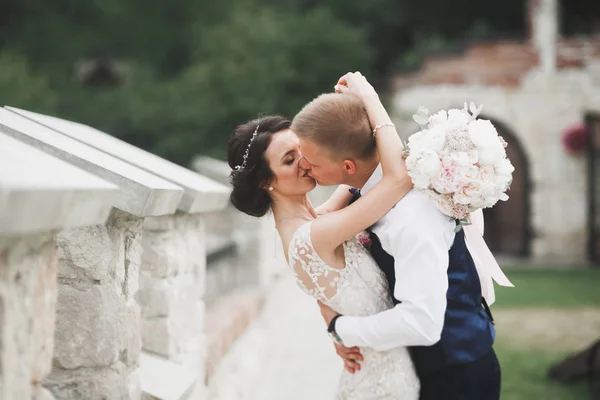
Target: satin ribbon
x,y
485,263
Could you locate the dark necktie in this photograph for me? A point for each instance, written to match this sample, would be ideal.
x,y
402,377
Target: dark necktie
x,y
355,195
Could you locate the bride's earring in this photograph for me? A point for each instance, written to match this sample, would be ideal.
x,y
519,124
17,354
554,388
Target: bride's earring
x,y
270,188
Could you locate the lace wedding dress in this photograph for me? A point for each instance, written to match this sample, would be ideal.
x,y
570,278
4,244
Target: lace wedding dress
x,y
359,289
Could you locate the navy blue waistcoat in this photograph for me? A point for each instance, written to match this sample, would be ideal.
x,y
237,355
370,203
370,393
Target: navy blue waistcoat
x,y
468,331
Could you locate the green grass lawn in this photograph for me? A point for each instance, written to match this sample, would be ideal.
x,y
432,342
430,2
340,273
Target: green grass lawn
x,y
550,288
524,376
524,369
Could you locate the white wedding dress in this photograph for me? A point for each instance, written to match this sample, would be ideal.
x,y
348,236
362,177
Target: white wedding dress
x,y
359,289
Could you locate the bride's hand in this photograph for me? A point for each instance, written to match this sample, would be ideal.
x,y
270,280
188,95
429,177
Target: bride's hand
x,y
356,84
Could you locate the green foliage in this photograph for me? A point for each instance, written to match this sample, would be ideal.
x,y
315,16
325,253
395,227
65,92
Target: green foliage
x,y
21,87
196,68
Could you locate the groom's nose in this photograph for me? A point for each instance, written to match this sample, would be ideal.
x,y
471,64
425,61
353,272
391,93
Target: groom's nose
x,y
304,164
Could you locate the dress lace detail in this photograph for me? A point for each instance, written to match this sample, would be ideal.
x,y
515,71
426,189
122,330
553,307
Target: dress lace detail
x,y
358,289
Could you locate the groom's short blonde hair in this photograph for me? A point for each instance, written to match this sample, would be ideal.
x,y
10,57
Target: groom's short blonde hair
x,y
338,123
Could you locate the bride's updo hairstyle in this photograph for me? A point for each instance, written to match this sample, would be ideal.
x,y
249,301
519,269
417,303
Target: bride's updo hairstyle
x,y
251,173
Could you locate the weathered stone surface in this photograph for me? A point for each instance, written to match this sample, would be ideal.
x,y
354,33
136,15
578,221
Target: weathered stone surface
x,y
162,253
156,336
41,393
27,271
164,379
87,326
39,193
201,194
90,383
131,339
157,296
44,317
558,213
141,193
135,385
91,253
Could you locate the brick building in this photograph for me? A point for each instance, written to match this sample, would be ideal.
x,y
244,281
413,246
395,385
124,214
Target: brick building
x,y
533,90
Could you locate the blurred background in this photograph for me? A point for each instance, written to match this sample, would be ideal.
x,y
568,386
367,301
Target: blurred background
x,y
175,78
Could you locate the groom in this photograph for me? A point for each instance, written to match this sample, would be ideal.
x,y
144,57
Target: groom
x,y
439,312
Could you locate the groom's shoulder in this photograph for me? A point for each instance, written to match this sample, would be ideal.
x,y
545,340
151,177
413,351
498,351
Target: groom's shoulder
x,y
416,200
417,205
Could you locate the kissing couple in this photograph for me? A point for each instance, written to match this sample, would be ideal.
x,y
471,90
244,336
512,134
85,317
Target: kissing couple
x,y
393,275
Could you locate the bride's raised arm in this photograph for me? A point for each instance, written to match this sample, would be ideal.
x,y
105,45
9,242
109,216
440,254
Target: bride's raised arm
x,y
338,200
332,229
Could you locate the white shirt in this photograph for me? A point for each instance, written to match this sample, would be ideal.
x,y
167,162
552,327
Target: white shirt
x,y
418,236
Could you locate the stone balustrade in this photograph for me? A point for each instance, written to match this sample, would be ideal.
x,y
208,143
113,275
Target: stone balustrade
x,y
154,240
39,195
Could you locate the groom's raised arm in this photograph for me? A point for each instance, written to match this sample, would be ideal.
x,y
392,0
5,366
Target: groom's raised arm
x,y
418,236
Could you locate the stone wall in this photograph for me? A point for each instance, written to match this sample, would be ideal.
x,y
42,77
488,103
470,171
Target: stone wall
x,y
172,287
536,113
73,258
97,339
27,304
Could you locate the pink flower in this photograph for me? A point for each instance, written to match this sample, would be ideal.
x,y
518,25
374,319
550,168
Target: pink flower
x,y
468,193
447,179
364,238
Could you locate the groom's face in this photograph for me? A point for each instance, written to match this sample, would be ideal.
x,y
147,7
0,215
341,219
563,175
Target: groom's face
x,y
320,165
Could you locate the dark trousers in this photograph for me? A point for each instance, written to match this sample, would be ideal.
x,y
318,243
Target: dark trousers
x,y
477,380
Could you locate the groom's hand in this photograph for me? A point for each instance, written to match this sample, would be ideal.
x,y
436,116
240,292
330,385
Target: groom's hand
x,y
350,355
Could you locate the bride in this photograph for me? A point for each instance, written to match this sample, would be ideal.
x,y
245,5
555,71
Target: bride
x,y
324,249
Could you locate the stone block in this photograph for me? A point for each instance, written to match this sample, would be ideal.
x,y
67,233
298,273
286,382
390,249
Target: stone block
x,y
44,317
87,326
155,296
91,383
130,334
135,384
27,303
92,253
41,393
163,253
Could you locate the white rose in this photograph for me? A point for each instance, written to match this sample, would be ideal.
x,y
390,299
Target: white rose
x,y
435,138
458,117
491,154
461,158
483,133
428,139
487,175
504,167
439,118
415,141
422,167
468,194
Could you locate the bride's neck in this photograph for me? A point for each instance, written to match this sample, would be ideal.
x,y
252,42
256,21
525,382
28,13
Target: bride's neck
x,y
293,206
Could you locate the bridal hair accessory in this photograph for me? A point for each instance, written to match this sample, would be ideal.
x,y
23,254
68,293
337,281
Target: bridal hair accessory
x,y
245,162
459,160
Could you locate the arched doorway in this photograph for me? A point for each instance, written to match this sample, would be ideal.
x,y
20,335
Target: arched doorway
x,y
507,229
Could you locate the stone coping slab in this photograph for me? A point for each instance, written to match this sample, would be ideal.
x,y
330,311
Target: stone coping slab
x,y
141,193
201,194
41,193
213,168
162,379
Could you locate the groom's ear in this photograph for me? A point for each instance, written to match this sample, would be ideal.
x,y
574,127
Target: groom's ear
x,y
349,167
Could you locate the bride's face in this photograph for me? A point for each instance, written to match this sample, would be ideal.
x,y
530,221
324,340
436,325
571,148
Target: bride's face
x,y
283,155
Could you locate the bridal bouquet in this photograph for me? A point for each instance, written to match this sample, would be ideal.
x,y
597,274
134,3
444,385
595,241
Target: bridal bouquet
x,y
460,160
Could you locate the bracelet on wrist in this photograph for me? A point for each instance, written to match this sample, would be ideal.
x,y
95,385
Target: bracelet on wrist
x,y
382,125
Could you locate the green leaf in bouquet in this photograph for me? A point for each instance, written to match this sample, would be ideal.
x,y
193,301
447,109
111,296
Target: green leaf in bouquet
x,y
422,116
